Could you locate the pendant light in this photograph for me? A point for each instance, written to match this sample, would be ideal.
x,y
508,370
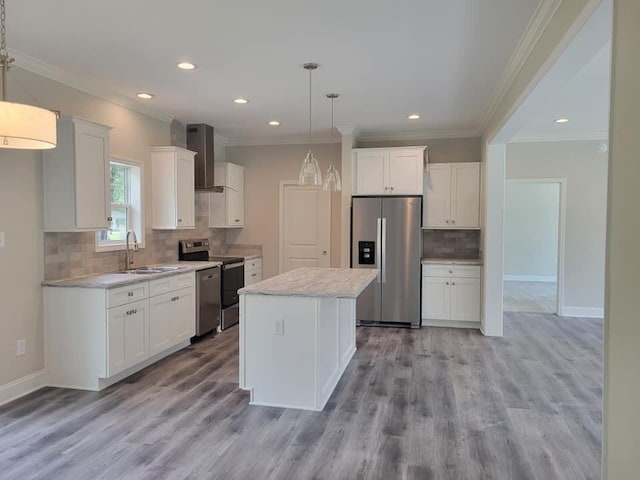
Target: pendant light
x,y
22,126
310,173
332,182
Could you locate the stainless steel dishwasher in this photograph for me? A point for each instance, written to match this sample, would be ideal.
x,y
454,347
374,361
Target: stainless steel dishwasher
x,y
209,308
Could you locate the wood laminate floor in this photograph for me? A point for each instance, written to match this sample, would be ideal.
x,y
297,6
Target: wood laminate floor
x,y
433,403
539,297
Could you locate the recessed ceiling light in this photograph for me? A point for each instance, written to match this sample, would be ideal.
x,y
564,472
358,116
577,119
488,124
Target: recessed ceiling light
x,y
561,120
241,101
186,66
274,123
145,95
413,116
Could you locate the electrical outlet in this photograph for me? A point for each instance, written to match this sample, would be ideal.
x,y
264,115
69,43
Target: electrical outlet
x,y
278,326
1,239
21,347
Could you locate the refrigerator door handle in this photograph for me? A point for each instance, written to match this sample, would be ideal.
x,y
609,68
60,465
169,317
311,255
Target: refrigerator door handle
x,y
383,243
378,252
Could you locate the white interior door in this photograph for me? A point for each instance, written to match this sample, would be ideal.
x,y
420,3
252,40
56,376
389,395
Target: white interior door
x,y
305,227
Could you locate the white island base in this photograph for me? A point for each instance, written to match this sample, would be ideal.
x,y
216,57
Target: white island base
x,y
294,348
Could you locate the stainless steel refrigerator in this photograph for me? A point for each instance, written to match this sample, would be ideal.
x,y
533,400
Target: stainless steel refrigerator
x,y
385,234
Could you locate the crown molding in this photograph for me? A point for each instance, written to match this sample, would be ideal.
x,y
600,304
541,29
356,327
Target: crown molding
x,y
86,85
284,140
543,14
565,137
418,135
348,130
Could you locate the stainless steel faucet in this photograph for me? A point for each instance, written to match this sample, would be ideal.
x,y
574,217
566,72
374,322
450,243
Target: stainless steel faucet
x,y
129,256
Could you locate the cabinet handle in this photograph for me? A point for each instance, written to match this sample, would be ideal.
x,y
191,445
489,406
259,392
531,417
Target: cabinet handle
x,y
453,221
109,219
450,271
253,275
447,221
447,283
392,189
237,219
453,283
179,220
175,299
132,312
129,294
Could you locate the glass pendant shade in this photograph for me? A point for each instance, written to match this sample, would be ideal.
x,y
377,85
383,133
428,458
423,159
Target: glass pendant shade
x,y
310,173
26,127
332,182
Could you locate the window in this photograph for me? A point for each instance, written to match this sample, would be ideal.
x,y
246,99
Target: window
x,y
126,206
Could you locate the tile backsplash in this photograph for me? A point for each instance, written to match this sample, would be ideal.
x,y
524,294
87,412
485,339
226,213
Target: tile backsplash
x,y
451,243
73,254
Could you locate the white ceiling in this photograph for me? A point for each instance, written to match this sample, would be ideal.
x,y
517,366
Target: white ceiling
x,y
439,58
577,87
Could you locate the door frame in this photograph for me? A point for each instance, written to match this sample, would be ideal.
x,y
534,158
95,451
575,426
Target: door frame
x,y
283,185
562,230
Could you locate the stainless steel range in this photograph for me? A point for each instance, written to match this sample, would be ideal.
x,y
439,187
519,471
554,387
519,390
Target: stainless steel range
x,y
231,277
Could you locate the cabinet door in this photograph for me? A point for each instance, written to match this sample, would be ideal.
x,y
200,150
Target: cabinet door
x,y
159,323
235,195
183,315
465,299
369,174
436,298
127,331
185,193
437,197
93,195
405,172
465,195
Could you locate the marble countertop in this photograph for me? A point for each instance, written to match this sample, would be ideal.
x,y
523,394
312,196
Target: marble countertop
x,y
251,257
452,261
315,282
113,280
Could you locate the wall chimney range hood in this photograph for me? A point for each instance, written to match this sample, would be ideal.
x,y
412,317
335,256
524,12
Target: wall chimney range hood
x,y
200,140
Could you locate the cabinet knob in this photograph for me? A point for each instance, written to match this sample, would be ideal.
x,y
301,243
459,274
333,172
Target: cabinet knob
x,y
253,275
237,219
453,283
450,271
324,253
453,221
447,221
129,294
179,220
447,283
392,189
109,219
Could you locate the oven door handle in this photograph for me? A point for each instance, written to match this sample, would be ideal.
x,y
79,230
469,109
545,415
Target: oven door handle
x,y
233,265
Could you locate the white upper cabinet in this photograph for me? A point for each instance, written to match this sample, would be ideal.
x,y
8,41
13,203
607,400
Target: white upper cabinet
x,y
226,208
173,189
76,178
452,196
388,171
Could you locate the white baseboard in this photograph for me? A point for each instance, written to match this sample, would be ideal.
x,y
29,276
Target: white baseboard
x,y
530,278
585,312
22,386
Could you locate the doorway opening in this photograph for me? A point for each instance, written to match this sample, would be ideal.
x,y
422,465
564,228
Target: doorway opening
x,y
534,231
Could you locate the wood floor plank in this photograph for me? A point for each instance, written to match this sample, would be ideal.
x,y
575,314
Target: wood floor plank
x,y
433,403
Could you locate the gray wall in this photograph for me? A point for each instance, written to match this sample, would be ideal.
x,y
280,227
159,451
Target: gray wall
x,y
586,172
265,167
441,150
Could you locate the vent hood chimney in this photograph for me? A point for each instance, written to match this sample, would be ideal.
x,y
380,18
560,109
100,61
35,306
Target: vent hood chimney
x,y
200,140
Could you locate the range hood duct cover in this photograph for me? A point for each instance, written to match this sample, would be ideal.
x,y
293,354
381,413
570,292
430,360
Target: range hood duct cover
x,y
200,140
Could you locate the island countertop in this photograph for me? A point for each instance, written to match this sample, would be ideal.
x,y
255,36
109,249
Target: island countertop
x,y
315,282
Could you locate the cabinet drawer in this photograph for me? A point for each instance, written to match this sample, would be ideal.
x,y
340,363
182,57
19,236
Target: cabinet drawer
x,y
252,277
130,293
171,282
463,271
255,264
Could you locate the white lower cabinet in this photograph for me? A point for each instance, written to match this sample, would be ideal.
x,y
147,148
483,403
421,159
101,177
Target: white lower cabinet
x,y
127,336
94,337
451,293
252,271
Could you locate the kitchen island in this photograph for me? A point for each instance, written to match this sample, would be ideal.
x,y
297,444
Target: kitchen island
x,y
298,334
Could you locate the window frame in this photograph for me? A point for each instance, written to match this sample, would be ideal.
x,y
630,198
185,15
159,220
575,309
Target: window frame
x,y
134,206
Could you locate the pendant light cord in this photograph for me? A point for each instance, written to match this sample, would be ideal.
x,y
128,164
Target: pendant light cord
x,y
309,108
5,59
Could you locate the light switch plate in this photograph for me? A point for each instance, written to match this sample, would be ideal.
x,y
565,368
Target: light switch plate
x,y
278,326
1,239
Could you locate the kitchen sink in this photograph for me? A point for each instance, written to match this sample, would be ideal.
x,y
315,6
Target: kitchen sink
x,y
149,270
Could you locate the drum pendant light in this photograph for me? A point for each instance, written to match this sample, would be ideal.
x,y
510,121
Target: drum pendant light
x,y
310,173
332,182
22,126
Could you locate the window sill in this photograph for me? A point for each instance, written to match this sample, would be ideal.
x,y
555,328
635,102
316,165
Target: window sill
x,y
114,247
